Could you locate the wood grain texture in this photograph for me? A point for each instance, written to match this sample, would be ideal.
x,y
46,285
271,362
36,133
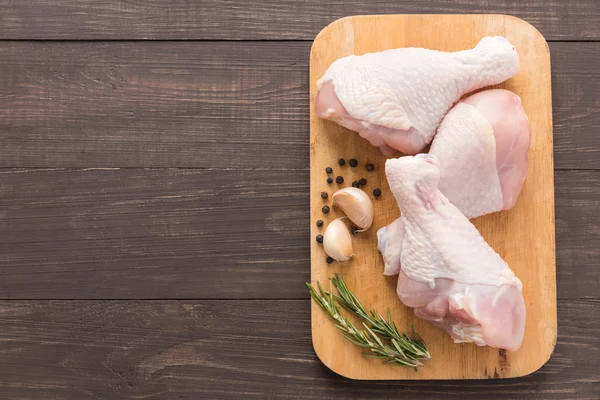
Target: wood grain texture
x,y
157,104
578,237
152,233
174,233
523,236
260,19
576,105
146,233
153,104
188,350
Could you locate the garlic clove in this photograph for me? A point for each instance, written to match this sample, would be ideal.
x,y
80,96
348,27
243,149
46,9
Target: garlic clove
x,y
337,241
356,204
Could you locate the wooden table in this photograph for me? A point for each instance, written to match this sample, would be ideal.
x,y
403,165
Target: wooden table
x,y
154,200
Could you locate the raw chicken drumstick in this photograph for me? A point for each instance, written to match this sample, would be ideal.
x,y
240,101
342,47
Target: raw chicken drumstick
x,y
397,98
482,147
450,275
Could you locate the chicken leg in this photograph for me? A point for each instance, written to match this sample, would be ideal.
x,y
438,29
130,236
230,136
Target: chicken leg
x,y
450,275
397,98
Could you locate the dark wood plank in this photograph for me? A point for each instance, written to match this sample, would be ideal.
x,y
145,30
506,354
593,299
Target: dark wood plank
x,y
154,104
576,105
577,197
148,233
225,105
235,349
176,233
264,19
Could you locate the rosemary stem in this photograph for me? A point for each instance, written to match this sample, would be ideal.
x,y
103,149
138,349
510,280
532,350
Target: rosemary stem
x,y
379,335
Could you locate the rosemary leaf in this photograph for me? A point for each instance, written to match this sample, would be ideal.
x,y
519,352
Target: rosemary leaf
x,y
398,349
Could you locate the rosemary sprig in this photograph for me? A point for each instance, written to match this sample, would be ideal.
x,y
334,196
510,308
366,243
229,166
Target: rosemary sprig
x,y
396,352
385,328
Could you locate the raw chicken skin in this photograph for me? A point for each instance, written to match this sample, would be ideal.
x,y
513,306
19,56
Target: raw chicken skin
x,y
397,98
482,146
450,275
389,243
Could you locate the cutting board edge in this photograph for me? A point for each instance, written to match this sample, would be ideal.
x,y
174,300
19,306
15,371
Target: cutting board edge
x,y
350,17
324,361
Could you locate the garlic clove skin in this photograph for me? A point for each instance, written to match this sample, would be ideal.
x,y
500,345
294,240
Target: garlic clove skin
x,y
337,241
356,204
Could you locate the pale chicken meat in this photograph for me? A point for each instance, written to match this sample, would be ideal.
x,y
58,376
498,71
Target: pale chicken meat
x,y
482,146
397,98
449,274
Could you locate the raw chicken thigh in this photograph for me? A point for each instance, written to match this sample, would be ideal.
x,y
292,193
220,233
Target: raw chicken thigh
x,y
450,275
397,98
482,146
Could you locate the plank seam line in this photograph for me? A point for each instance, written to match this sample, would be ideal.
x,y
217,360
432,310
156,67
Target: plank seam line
x,y
107,169
584,40
559,299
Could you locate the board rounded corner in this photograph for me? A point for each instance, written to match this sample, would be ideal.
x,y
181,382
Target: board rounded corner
x,y
327,28
329,366
331,25
544,360
538,36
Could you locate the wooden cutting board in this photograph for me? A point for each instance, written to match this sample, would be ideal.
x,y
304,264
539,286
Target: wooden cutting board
x,y
523,236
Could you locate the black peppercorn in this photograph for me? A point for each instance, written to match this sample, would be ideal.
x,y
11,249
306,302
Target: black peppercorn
x,y
319,238
320,223
355,184
353,162
377,192
354,230
362,181
324,195
329,180
329,170
341,162
370,167
325,209
329,260
339,179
